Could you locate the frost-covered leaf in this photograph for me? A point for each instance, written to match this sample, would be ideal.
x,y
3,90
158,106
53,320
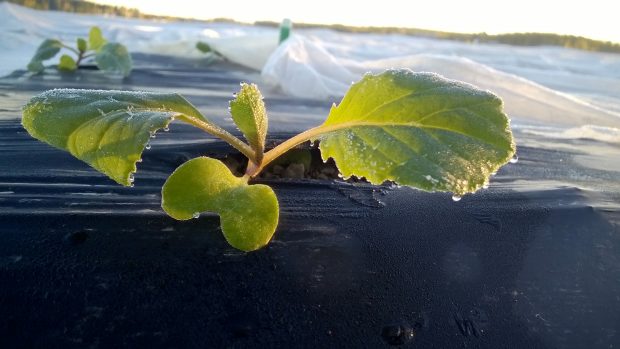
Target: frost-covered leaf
x,y
248,213
82,45
106,129
67,63
48,49
248,112
95,39
420,130
114,58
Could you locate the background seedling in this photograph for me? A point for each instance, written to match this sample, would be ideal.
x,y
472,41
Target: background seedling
x,y
110,57
416,129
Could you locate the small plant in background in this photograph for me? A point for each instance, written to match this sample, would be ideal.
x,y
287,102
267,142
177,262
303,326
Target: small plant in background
x,y
110,57
211,53
416,129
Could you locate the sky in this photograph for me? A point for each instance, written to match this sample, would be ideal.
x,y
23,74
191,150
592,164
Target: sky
x,y
596,19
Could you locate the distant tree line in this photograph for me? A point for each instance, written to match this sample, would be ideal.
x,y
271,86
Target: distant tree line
x,y
517,39
79,6
520,39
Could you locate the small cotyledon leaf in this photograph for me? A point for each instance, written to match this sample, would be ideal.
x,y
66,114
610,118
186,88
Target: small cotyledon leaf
x,y
418,129
95,39
249,113
106,129
67,63
248,213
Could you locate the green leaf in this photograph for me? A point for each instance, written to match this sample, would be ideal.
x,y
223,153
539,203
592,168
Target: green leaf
x,y
203,47
420,130
67,63
95,39
248,112
82,45
48,49
248,213
106,129
114,58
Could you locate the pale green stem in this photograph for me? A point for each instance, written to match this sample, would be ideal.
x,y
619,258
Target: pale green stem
x,y
285,146
310,134
72,49
83,56
221,133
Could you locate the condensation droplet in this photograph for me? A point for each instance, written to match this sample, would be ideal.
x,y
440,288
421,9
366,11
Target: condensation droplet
x,y
456,198
196,215
514,160
147,146
152,134
166,129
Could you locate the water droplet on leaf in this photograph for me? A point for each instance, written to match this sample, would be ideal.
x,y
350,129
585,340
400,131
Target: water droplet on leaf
x,y
456,198
514,160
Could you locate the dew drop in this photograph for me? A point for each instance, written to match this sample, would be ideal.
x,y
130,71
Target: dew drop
x,y
456,198
166,129
196,215
152,134
514,160
147,146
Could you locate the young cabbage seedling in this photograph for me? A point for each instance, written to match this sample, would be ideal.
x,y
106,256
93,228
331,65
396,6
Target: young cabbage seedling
x,y
416,129
110,57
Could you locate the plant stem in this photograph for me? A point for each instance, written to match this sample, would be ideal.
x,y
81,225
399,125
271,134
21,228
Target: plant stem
x,y
286,146
82,56
71,49
221,133
300,138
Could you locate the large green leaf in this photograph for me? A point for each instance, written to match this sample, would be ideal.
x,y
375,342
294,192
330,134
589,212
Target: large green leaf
x,y
248,112
248,213
95,39
48,49
420,130
106,129
114,58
